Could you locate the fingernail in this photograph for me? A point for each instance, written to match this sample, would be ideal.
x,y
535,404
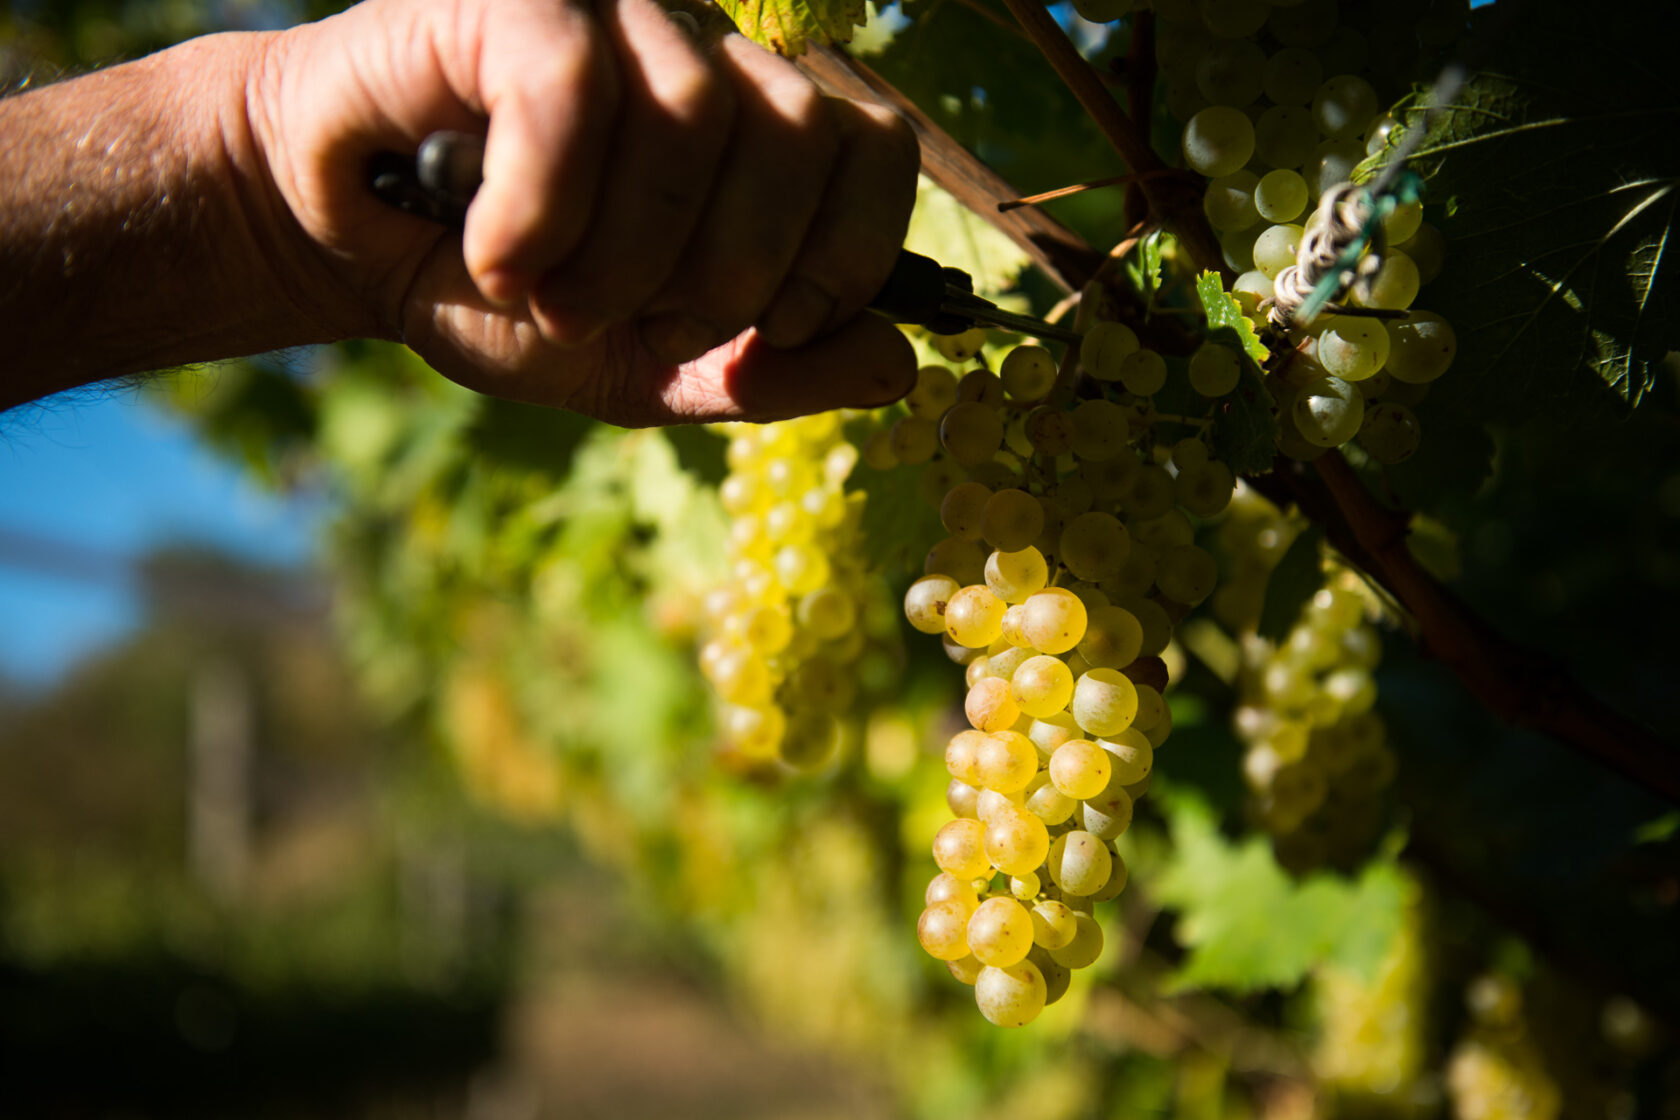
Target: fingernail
x,y
504,288
798,312
678,337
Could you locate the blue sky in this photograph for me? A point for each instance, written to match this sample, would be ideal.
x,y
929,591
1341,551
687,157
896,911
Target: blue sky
x,y
114,476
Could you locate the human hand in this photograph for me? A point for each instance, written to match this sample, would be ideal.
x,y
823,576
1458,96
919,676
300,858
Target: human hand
x,y
665,233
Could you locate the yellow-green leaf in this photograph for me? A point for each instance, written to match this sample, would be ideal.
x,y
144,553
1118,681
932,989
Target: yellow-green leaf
x,y
786,26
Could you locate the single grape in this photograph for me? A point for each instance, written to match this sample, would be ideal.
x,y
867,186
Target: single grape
x,y
1291,76
1104,702
1390,433
1281,195
1028,373
935,391
980,386
1343,106
1330,163
1218,140
1328,411
1229,201
1012,996
1150,493
1113,638
1013,576
1017,842
1054,924
943,930
1130,756
1231,72
964,561
1205,491
1000,932
960,848
990,707
1285,136
1143,373
1006,760
1237,247
1423,346
960,347
1353,347
1104,347
1079,862
962,799
1047,803
1276,248
1042,686
1214,370
1157,626
974,616
1394,286
961,509
1099,427
970,431
1086,946
914,440
1186,574
1080,768
828,613
945,887
1054,620
1094,545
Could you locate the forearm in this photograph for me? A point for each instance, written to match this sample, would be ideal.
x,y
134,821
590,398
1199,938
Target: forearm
x,y
137,227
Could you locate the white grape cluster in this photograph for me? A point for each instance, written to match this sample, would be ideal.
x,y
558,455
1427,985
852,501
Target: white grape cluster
x,y
784,634
1317,758
1071,556
1278,109
1496,1072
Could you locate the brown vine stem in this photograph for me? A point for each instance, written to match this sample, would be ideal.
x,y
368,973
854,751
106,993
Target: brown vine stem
x,y
1140,94
1170,199
1078,188
1515,684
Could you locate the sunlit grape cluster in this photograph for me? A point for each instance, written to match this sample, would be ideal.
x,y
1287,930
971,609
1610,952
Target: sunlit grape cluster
x,y
1280,103
1372,1038
784,634
1071,556
1496,1072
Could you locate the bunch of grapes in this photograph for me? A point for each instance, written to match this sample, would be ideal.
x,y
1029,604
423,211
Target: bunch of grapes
x,y
785,633
1071,557
1280,103
1317,759
1373,1029
1496,1072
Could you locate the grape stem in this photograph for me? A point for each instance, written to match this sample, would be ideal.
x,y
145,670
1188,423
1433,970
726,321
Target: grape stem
x,y
1094,184
1521,687
1174,200
1141,73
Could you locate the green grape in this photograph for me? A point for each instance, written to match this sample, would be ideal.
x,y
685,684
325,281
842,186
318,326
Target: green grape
x,y
878,451
1394,286
1150,493
1042,686
1054,620
1080,768
1280,197
1189,452
1390,433
970,432
1231,73
1013,576
1206,490
1099,427
1054,924
1016,842
1328,411
990,802
974,616
1292,76
1229,201
1331,162
756,732
1143,372
1006,760
1303,25
999,932
1403,222
1152,708
827,613
990,707
1025,887
1275,249
1104,702
1118,877
936,480
1011,996
914,440
1130,755
961,798
1214,370
1109,814
1423,346
1104,347
1094,545
1237,247
960,511
1049,430
943,930
1071,497
1344,106
1285,136
1086,946
1186,574
1218,140
966,970
1428,250
964,561
1028,373
960,347
962,755
945,887
1047,803
1233,19
1113,638
980,386
1011,520
960,848
1352,347
1079,863
1110,479
934,392
1152,617
1251,288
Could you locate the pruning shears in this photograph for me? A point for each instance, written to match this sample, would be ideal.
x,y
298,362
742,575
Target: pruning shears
x,y
439,182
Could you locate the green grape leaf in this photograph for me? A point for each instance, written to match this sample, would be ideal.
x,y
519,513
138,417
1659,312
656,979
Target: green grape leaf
x,y
1294,581
786,26
1247,925
1244,432
897,526
1559,179
699,452
956,237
